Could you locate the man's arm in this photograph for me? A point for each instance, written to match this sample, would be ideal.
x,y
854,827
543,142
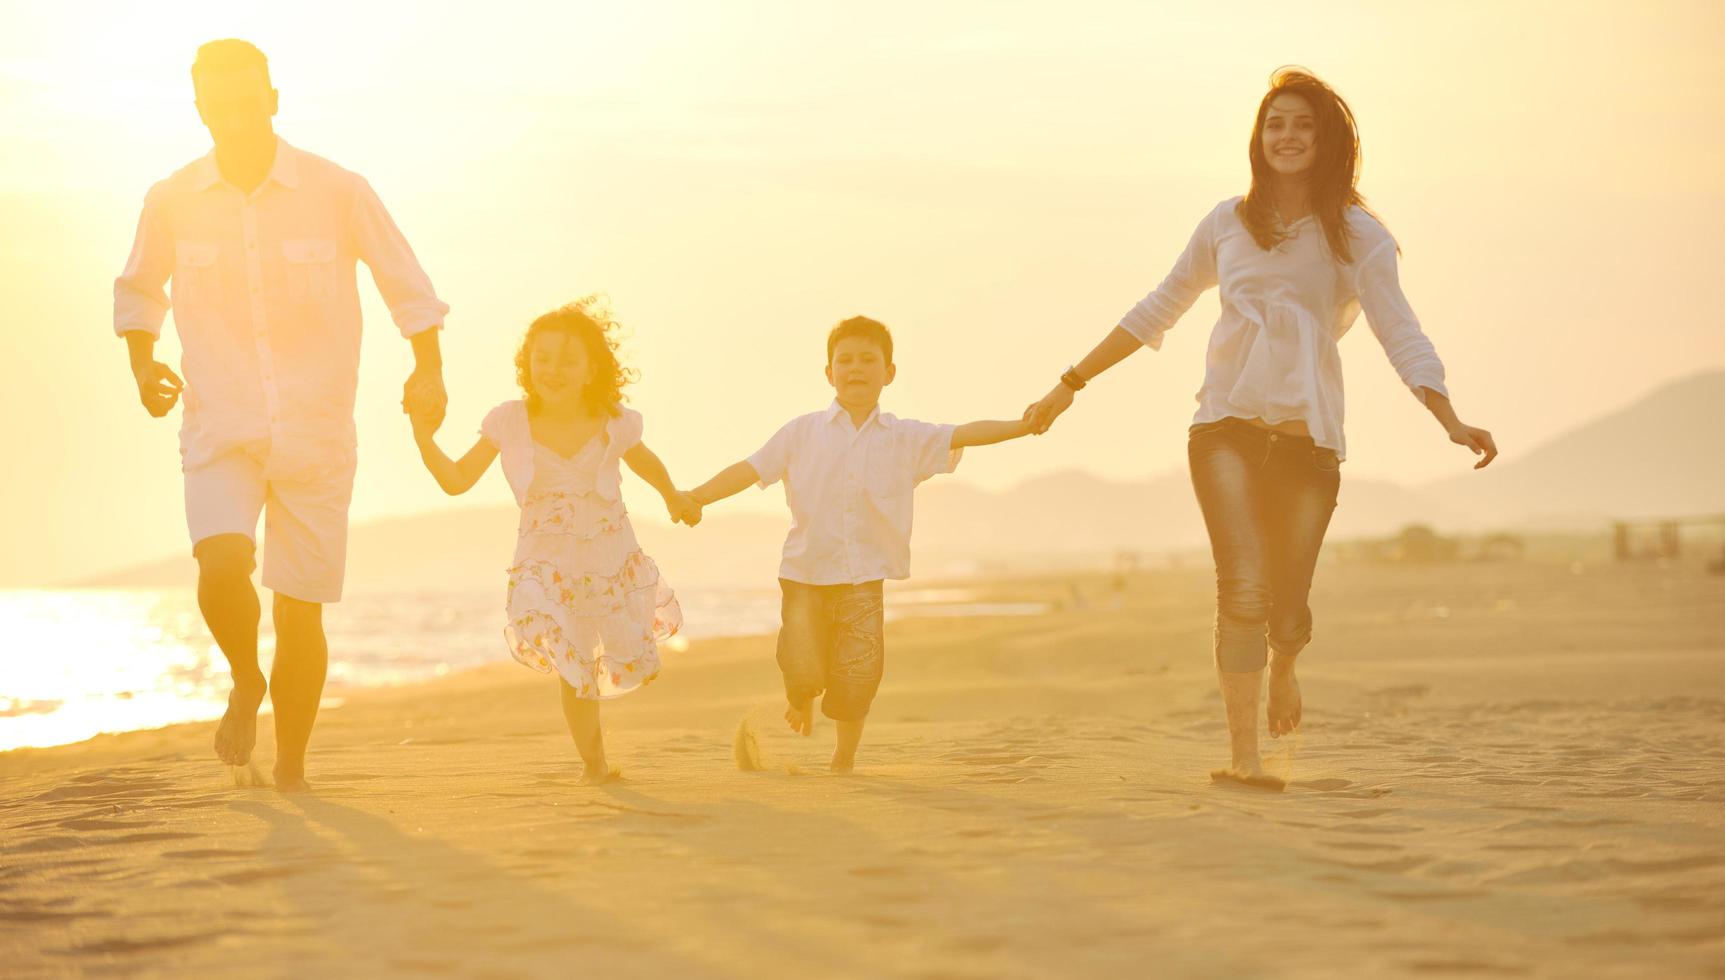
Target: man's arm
x,y
729,482
989,432
141,304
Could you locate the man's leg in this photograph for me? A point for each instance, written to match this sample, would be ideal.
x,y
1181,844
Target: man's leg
x,y
224,496
305,558
296,684
230,607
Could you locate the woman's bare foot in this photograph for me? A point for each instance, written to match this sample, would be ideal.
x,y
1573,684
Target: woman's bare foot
x,y
598,774
1255,777
291,782
801,720
1283,711
237,732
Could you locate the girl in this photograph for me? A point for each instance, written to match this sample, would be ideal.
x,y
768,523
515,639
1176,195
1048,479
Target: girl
x,y
1297,259
583,600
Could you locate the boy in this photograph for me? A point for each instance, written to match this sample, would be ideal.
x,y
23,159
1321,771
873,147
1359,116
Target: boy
x,y
849,473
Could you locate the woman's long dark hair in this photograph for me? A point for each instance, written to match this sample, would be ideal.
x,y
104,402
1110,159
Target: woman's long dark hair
x,y
1333,175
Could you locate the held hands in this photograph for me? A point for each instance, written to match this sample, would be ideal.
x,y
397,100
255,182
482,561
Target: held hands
x,y
1478,440
1042,414
684,508
158,387
425,401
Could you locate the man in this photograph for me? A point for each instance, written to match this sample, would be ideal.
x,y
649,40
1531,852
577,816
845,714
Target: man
x,y
260,240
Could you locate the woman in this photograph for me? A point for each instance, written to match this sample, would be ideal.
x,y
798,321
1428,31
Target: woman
x,y
1297,259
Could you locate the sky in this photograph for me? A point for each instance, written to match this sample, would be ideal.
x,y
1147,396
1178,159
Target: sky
x,y
997,182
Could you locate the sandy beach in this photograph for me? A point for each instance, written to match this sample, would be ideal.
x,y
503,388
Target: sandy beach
x,y
1510,769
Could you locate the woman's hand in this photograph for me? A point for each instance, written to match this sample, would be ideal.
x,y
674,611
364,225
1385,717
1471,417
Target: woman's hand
x,y
1042,414
1478,440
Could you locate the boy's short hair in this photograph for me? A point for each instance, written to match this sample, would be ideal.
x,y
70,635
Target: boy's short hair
x,y
861,326
230,54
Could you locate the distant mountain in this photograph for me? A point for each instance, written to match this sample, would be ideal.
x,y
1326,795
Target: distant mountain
x,y
1663,455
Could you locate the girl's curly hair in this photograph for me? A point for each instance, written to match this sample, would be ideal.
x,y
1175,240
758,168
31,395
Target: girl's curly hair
x,y
588,321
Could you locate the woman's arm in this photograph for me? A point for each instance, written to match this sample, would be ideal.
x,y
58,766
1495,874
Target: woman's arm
x,y
1114,348
650,468
454,476
988,432
730,481
1143,325
1460,433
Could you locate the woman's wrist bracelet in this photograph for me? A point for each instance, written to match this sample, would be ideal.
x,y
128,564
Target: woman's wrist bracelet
x,y
1071,379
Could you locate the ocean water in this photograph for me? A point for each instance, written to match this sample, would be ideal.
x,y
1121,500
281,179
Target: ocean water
x,y
75,663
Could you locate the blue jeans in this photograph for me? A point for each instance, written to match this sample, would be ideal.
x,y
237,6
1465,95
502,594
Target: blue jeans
x,y
1267,498
832,639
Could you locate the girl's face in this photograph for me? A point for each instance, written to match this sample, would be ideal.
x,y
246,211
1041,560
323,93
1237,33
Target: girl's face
x,y
558,368
1290,135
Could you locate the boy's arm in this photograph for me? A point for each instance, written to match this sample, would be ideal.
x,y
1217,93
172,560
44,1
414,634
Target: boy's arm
x,y
988,432
454,476
731,480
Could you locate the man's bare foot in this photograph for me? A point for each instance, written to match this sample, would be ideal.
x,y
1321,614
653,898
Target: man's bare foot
x,y
237,732
599,774
842,765
1283,711
1254,777
801,720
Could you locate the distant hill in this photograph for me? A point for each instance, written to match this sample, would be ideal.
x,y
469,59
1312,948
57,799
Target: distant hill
x,y
1663,455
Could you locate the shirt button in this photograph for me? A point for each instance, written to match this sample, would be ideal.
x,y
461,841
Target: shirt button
x,y
1274,437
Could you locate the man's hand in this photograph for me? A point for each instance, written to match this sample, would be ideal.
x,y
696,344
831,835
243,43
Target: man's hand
x,y
158,387
424,400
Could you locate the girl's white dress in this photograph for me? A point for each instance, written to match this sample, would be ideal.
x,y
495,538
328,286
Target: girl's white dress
x,y
583,599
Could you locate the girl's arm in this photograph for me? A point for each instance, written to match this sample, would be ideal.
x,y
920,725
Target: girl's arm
x,y
1460,433
454,476
650,468
988,432
730,481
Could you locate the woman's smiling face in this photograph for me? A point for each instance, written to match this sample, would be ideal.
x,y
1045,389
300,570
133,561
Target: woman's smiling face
x,y
1290,135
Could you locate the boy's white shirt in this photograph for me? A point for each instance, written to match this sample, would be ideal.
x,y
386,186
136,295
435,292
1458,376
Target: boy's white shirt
x,y
850,491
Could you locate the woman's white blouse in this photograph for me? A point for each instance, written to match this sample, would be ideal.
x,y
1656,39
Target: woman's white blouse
x,y
1273,352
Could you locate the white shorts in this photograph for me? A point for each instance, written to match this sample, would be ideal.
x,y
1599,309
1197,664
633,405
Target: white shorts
x,y
305,519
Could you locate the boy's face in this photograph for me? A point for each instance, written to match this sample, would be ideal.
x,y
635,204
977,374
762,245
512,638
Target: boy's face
x,y
558,368
858,371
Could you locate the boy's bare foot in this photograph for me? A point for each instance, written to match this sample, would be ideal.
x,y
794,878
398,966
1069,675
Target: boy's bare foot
x,y
802,720
1254,777
1283,711
599,774
237,732
843,765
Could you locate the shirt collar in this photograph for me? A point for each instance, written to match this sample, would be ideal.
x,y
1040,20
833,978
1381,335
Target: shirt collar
x,y
880,418
284,170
